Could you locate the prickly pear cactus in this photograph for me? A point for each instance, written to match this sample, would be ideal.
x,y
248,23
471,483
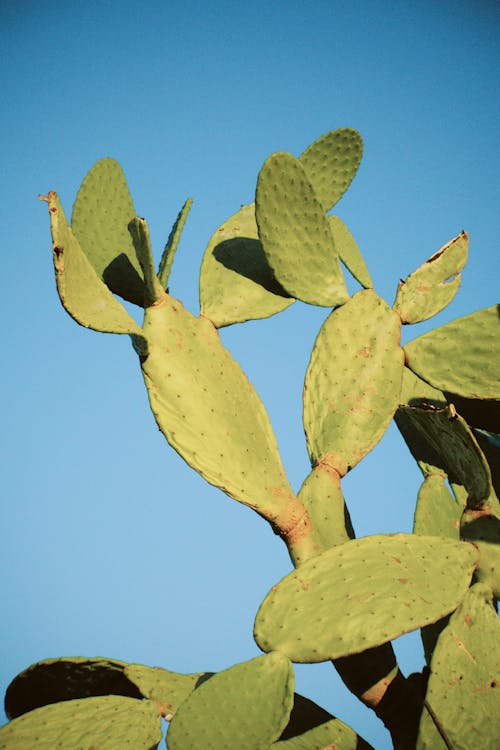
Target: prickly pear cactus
x,y
347,598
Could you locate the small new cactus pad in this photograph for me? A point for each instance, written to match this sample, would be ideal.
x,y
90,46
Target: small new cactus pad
x,y
353,382
348,252
322,497
101,213
362,594
461,457
236,282
437,512
172,243
331,164
209,412
54,680
331,735
108,722
430,288
246,707
460,357
83,294
295,233
466,663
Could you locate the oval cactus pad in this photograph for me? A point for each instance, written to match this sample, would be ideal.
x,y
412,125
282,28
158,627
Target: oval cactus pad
x,y
295,233
353,382
362,594
246,707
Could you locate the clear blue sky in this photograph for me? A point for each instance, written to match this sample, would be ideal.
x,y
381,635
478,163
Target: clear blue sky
x,y
109,544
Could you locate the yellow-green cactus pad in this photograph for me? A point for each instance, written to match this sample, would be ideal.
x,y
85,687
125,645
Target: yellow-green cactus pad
x,y
101,213
331,164
430,288
461,357
462,704
349,253
363,594
295,233
321,495
332,735
236,282
437,512
353,382
83,294
172,243
109,723
246,707
210,413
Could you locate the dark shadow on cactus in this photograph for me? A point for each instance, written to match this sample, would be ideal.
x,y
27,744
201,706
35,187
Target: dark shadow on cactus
x,y
305,715
121,278
246,257
477,412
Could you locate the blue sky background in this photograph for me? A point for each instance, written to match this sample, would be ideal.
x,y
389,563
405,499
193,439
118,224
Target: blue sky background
x,y
109,544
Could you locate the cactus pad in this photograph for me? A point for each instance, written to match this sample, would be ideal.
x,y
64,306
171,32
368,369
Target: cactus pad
x,y
101,213
431,287
331,164
353,382
246,707
437,512
332,735
362,594
323,499
82,293
108,723
462,693
295,233
172,243
460,357
236,282
348,252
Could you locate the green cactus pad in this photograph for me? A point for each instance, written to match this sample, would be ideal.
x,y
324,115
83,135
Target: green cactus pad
x,y
139,231
331,164
449,436
82,293
416,392
322,497
108,723
332,735
101,213
348,252
353,382
461,357
437,512
430,288
462,693
236,282
295,233
246,707
172,243
68,678
363,594
210,413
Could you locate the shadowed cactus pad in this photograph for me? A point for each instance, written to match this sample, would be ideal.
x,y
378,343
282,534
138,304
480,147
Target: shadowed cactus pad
x,y
362,594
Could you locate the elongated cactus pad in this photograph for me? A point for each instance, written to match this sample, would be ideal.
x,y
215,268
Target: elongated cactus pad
x,y
437,512
295,233
331,164
101,213
430,288
452,440
68,678
460,357
109,723
236,281
172,244
246,707
83,294
462,694
362,594
348,252
210,413
353,382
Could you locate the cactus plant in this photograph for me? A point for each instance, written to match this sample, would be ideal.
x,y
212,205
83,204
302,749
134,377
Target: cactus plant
x,y
347,598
